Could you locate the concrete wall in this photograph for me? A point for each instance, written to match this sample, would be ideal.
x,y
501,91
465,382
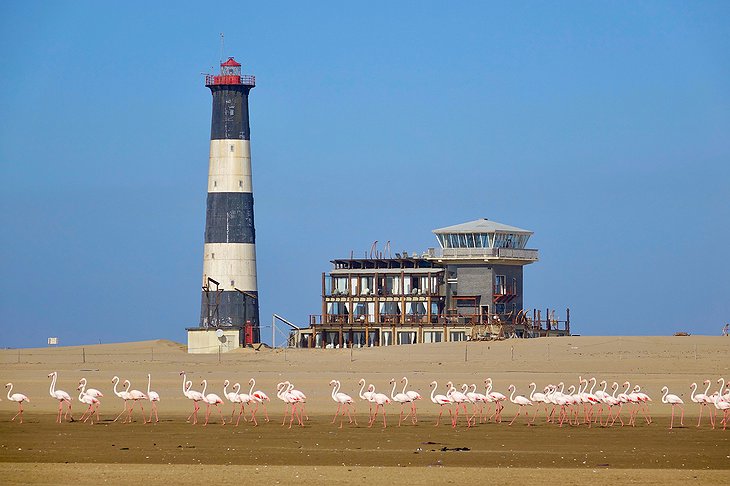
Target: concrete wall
x,y
205,341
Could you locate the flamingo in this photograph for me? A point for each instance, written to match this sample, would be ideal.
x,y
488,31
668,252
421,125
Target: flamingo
x,y
442,401
675,401
380,400
519,400
301,399
261,398
17,397
460,400
722,404
153,397
211,399
290,402
193,395
622,398
413,395
368,395
702,399
89,400
232,397
610,401
93,392
541,398
496,397
478,400
344,402
401,398
124,395
136,396
61,396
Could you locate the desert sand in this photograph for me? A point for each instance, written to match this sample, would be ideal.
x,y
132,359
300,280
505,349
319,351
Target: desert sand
x,y
38,450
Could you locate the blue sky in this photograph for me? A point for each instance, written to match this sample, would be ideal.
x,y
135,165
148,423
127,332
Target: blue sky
x,y
602,127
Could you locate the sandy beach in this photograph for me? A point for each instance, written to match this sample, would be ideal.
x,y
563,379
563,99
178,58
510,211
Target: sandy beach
x,y
648,453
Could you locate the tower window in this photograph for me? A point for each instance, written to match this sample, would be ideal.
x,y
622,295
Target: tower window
x,y
233,283
232,148
212,256
240,183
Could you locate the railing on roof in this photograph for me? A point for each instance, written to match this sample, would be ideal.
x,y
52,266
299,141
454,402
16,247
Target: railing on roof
x,y
504,253
215,79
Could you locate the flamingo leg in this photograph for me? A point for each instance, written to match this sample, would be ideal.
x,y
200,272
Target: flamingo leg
x,y
339,406
681,419
266,413
122,412
516,415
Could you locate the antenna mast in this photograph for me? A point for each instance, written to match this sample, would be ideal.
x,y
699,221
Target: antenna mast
x,y
222,47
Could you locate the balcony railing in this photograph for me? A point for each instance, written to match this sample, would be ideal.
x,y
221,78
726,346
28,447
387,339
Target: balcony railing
x,y
381,293
246,79
501,253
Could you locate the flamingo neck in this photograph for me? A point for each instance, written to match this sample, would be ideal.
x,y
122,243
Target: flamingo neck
x,y
693,386
115,380
205,386
405,385
511,397
10,388
225,388
334,389
183,384
722,386
53,384
594,385
362,397
253,384
236,388
664,397
605,385
707,390
433,391
149,383
392,392
532,390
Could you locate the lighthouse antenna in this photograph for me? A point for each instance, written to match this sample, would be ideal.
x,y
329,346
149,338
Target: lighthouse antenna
x,y
223,43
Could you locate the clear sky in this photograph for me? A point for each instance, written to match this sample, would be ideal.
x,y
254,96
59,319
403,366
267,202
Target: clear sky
x,y
604,127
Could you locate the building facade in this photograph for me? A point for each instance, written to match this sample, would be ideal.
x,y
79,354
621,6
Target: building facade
x,y
470,287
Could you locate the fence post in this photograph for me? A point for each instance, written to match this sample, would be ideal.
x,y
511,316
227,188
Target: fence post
x,y
512,352
83,355
466,352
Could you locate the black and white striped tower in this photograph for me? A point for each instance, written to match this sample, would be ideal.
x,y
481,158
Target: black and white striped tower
x,y
230,293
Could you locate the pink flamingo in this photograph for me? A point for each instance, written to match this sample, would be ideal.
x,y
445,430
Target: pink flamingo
x,y
622,398
17,397
61,396
193,395
723,405
211,400
380,400
413,395
124,395
233,397
89,400
401,398
368,396
261,398
290,403
153,397
540,398
701,399
478,400
344,402
674,401
442,401
460,400
93,392
497,398
136,396
519,400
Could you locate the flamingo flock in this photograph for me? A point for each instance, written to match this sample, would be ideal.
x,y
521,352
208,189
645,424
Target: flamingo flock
x,y
587,402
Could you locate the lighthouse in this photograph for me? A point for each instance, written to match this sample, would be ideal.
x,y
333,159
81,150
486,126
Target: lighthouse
x,y
229,304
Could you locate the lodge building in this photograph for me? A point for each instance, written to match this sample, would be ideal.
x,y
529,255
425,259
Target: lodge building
x,y
470,287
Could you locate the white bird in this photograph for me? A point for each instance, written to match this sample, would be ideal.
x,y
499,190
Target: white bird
x,y
442,401
17,397
61,396
401,398
153,397
89,400
344,402
211,400
674,401
518,400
